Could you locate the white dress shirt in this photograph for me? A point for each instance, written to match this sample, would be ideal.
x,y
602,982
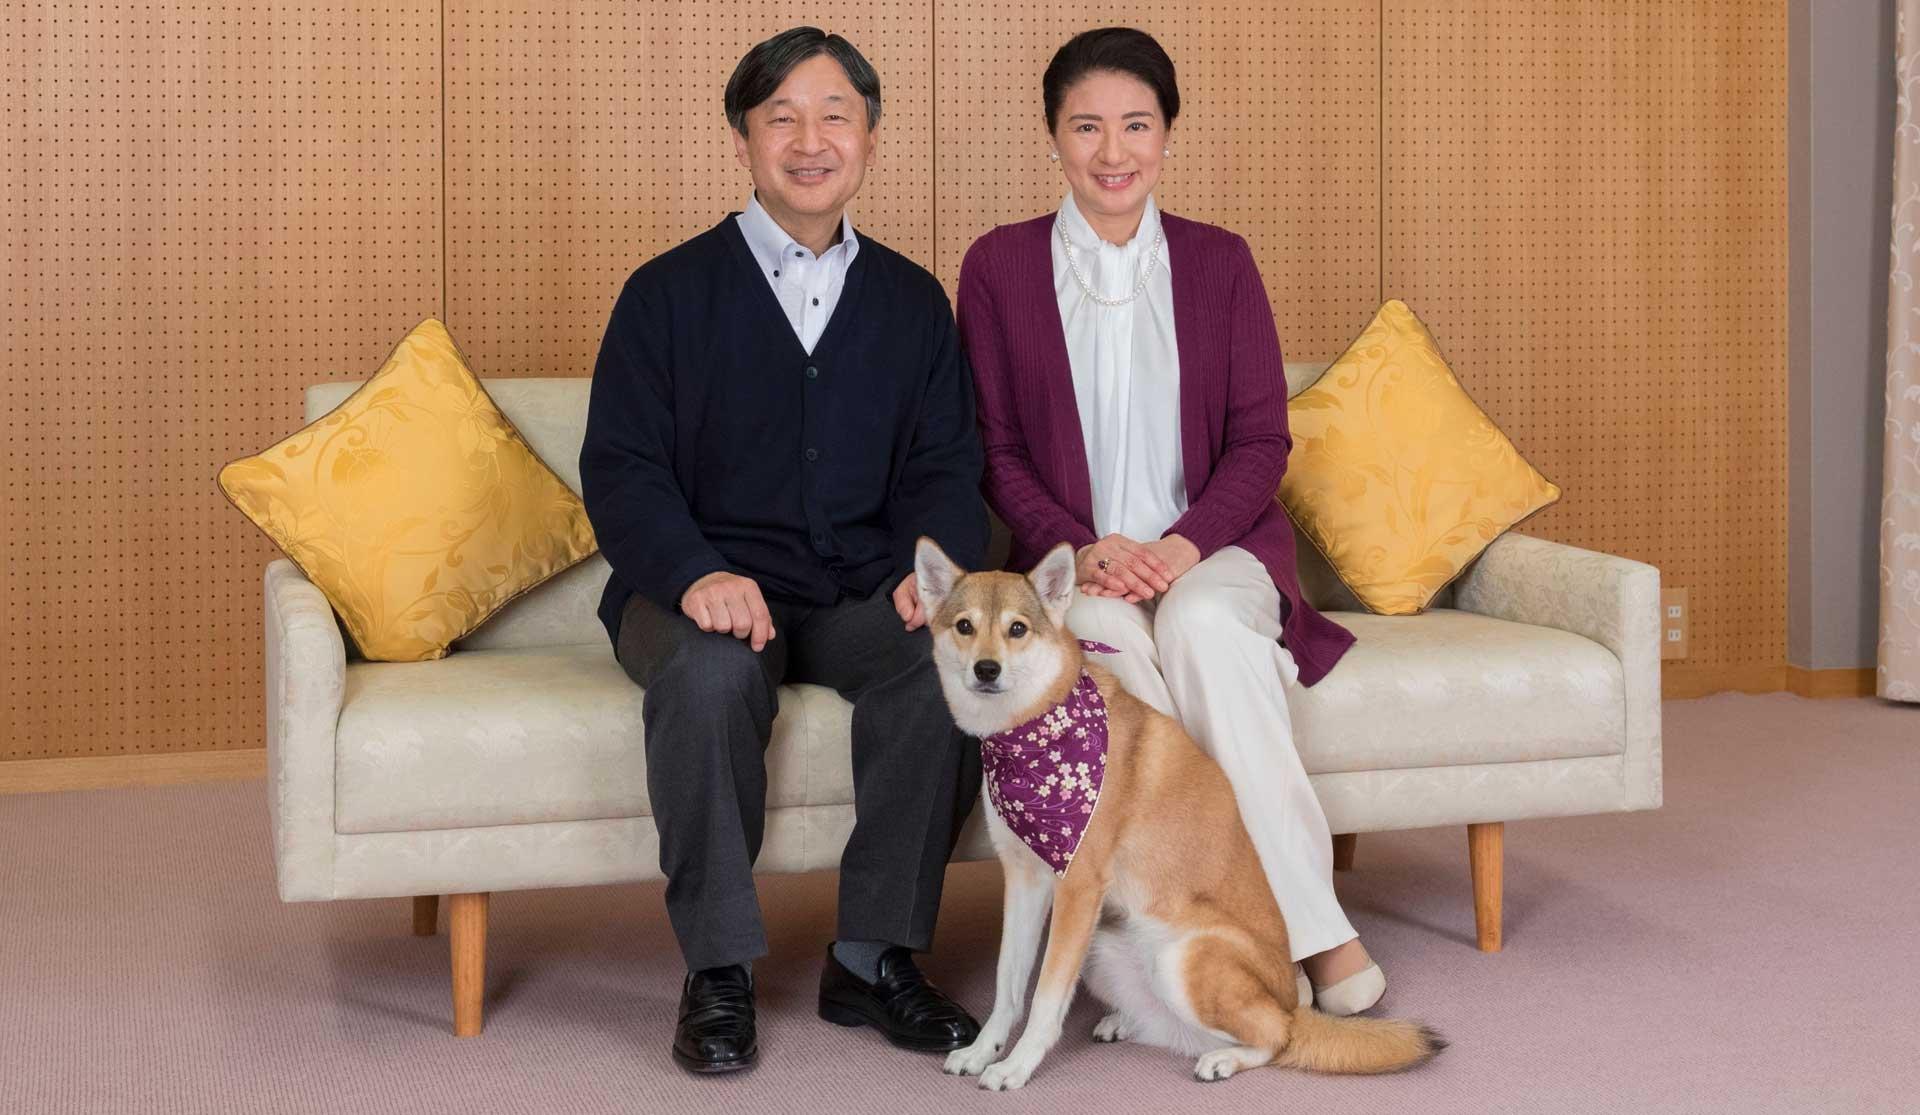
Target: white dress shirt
x,y
1126,375
807,286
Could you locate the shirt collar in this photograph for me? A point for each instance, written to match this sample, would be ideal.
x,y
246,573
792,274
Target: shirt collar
x,y
771,243
1087,240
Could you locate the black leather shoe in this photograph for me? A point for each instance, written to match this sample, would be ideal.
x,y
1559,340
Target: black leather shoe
x,y
716,1031
902,1004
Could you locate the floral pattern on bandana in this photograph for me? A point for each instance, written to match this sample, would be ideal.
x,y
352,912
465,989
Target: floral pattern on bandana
x,y
1043,777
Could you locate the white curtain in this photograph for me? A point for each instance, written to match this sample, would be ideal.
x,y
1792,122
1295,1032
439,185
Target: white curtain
x,y
1899,658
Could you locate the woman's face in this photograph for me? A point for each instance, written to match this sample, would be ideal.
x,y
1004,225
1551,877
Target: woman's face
x,y
1110,137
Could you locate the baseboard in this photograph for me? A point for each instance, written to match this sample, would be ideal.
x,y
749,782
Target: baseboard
x,y
1831,683
1679,682
40,776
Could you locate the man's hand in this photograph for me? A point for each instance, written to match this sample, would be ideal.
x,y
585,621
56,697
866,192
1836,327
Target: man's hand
x,y
1118,566
906,601
730,603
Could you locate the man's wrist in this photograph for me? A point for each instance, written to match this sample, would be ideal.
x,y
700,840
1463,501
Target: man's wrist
x,y
698,581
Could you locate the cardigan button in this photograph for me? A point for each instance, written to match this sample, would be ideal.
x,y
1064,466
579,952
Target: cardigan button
x,y
813,454
813,372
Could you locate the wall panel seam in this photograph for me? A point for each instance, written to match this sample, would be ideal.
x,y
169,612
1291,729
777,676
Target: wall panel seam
x,y
443,161
933,101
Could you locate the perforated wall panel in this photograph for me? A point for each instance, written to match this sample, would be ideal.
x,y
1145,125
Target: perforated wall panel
x,y
207,208
1587,205
1278,139
583,139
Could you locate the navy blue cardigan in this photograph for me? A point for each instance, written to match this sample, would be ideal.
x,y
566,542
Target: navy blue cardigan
x,y
715,442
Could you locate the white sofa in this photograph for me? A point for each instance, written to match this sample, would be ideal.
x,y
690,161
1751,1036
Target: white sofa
x,y
1532,689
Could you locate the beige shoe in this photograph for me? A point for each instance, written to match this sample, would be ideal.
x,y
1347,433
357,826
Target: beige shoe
x,y
1302,984
1354,994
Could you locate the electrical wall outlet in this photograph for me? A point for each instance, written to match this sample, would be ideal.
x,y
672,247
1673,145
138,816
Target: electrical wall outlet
x,y
1674,617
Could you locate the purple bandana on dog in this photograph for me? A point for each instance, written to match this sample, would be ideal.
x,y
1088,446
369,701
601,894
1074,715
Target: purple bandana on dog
x,y
1043,777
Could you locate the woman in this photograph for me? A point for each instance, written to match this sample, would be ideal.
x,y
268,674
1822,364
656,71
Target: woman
x,y
1132,400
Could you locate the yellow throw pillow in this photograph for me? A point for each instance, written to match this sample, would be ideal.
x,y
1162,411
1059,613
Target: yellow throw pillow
x,y
1396,476
414,505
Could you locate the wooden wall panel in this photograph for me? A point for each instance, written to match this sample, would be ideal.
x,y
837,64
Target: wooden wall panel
x,y
584,139
1278,138
1586,203
207,207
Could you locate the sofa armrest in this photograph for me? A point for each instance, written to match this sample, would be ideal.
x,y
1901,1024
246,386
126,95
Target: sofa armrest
x,y
1612,600
306,679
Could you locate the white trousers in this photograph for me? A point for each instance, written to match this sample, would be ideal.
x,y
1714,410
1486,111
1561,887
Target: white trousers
x,y
1208,653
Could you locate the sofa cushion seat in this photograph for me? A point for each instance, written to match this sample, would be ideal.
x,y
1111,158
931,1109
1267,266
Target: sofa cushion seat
x,y
532,734
1449,688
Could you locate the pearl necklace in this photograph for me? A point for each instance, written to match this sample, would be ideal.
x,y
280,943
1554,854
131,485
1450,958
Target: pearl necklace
x,y
1073,265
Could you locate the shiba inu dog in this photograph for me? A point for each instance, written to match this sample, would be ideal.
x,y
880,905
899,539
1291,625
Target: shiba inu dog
x,y
1105,810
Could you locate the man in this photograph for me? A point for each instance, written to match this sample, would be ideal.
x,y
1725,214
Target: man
x,y
779,411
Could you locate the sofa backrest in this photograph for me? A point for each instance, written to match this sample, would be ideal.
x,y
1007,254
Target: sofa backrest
x,y
551,414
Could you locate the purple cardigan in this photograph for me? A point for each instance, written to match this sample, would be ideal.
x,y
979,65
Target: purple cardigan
x,y
1233,412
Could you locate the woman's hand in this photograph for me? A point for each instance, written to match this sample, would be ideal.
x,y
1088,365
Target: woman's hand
x,y
1118,566
1178,554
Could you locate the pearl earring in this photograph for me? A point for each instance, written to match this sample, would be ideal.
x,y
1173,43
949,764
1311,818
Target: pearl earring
x,y
1166,152
1054,155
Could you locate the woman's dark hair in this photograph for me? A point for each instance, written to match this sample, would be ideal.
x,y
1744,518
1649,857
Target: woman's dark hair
x,y
760,73
1120,50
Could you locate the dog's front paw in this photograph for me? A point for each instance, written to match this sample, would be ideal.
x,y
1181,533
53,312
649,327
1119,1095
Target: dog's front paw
x,y
1006,1075
974,1059
1114,1027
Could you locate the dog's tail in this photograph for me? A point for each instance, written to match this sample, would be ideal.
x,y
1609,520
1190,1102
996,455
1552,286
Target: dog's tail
x,y
1326,1043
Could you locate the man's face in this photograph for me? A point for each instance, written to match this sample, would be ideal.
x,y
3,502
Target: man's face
x,y
808,145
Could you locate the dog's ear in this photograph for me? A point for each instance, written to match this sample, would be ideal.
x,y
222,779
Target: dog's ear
x,y
936,572
1053,579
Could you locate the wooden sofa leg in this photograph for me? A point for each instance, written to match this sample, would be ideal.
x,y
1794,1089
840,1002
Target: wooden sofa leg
x,y
1343,845
1484,851
467,927
426,915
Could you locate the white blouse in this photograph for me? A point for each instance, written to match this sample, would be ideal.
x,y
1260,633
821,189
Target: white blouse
x,y
1126,375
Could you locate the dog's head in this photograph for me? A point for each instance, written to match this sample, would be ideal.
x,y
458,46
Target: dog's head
x,y
1000,640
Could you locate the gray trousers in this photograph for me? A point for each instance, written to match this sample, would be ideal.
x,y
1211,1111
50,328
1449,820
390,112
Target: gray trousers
x,y
708,713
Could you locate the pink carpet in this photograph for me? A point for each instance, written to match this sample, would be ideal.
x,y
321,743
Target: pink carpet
x,y
1751,947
